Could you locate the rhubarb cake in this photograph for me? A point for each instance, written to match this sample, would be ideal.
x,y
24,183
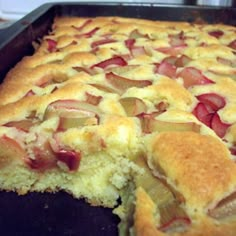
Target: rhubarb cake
x,y
134,110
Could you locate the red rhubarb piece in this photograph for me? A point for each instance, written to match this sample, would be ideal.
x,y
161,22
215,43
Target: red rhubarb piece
x,y
52,45
117,61
43,158
70,158
83,25
216,33
233,44
88,34
101,42
129,43
192,76
173,51
214,101
182,61
171,60
233,150
218,126
137,51
203,113
167,69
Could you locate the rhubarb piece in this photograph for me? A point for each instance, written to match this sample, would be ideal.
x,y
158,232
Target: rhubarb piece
x,y
173,217
192,76
214,101
150,124
177,40
117,61
233,44
30,93
93,99
102,42
23,125
83,25
43,158
166,69
218,126
122,83
133,106
83,69
123,69
171,60
203,113
10,150
182,61
145,119
137,51
129,43
162,106
52,45
173,51
225,208
70,109
70,158
233,150
88,34
216,33
227,62
135,34
134,50
162,126
155,188
104,88
75,122
224,61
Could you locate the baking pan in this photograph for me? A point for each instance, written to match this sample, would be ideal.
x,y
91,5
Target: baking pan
x,y
59,214
16,41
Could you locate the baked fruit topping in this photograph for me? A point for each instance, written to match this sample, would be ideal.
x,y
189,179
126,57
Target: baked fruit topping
x,y
10,150
122,83
192,76
206,112
52,45
133,106
115,61
130,114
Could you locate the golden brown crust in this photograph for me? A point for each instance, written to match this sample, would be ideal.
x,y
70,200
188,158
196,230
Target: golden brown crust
x,y
145,223
197,165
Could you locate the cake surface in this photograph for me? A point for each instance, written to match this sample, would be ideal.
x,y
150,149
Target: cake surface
x,y
144,111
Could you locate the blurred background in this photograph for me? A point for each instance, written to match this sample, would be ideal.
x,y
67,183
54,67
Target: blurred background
x,y
15,9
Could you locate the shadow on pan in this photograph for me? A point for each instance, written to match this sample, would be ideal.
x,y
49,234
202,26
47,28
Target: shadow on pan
x,y
37,214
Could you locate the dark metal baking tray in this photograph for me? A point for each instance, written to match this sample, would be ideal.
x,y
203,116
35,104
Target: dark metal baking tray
x,y
16,41
59,214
